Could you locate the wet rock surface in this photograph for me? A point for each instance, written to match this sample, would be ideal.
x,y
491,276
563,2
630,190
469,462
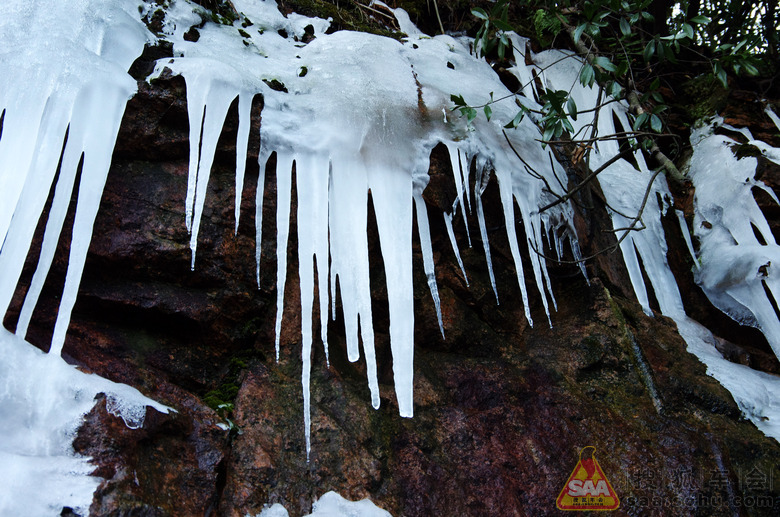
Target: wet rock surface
x,y
502,409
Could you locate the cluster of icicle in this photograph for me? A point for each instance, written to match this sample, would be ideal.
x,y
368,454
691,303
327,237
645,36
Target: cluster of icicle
x,y
359,112
348,113
63,90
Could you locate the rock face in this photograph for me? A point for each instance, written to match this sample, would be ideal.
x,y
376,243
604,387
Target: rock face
x,y
501,409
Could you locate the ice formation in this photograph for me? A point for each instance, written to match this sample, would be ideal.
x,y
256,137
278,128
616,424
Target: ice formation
x,y
736,251
343,133
345,115
63,90
332,504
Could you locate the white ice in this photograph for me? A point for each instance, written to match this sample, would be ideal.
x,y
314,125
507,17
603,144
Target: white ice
x,y
353,113
345,115
63,71
331,504
733,267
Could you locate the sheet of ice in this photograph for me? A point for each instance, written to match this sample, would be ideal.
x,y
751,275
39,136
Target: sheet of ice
x,y
275,510
72,58
756,393
737,250
733,266
332,504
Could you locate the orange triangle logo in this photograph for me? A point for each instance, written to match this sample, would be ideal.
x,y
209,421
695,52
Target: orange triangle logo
x,y
587,487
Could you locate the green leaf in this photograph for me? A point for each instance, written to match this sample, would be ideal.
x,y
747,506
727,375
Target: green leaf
x,y
548,133
625,28
687,30
640,121
578,32
702,20
604,63
488,112
458,100
587,75
614,89
471,114
480,13
750,69
649,51
656,124
720,73
723,78
571,108
516,121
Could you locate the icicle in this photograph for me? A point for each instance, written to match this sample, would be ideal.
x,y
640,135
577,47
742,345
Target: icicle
x,y
687,236
218,99
312,178
262,161
460,185
534,244
505,189
392,199
454,243
32,198
284,164
104,107
57,213
481,183
22,123
348,220
196,112
423,229
242,144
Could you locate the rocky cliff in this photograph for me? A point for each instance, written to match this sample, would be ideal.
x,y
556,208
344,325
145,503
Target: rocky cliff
x,y
502,409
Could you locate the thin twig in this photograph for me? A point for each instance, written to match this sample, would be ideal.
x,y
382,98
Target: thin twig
x,y
585,181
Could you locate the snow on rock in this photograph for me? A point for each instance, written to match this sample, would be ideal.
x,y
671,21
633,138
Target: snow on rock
x,y
332,504
63,90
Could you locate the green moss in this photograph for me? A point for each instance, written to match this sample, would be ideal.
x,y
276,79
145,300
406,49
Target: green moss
x,y
224,394
227,390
